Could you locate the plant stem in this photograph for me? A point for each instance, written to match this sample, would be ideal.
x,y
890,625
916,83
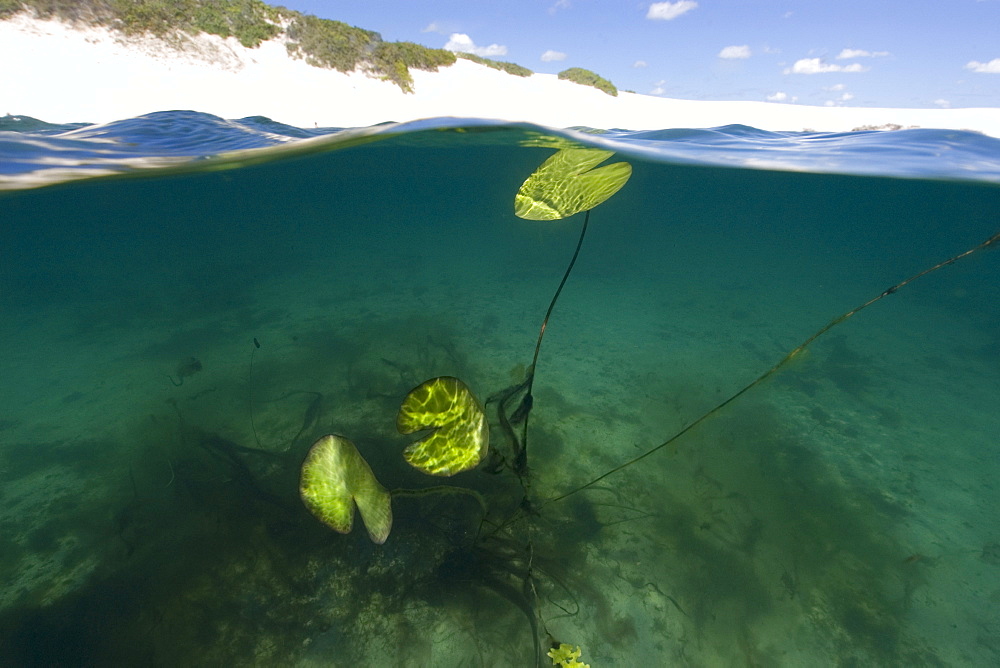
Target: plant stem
x,y
521,460
443,489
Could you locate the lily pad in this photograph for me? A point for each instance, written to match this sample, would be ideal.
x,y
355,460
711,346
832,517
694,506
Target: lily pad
x,y
335,477
460,436
566,184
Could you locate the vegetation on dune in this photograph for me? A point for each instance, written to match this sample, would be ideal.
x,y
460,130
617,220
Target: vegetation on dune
x,y
8,7
249,21
588,78
394,60
320,42
331,44
338,46
509,68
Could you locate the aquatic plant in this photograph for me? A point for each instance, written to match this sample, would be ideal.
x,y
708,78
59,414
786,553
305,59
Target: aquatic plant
x,y
208,563
500,555
565,184
568,183
460,436
335,477
566,657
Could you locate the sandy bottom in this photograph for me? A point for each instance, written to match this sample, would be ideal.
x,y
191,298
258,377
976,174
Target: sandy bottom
x,y
821,519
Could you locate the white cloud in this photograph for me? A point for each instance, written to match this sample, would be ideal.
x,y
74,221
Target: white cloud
x,y
839,100
667,11
842,89
464,44
640,63
992,67
658,88
442,28
777,97
860,53
944,104
560,4
817,66
551,55
735,52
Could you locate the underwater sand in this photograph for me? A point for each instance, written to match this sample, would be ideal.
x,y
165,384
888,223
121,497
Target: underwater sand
x,y
841,513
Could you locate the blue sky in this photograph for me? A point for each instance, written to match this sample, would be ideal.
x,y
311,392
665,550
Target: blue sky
x,y
871,53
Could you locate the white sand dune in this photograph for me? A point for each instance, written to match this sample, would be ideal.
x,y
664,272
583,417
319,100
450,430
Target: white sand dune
x,y
60,73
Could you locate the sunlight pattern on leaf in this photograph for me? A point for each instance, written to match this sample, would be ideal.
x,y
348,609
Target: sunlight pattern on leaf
x,y
461,434
566,184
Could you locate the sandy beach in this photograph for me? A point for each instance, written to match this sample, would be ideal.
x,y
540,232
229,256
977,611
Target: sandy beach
x,y
60,73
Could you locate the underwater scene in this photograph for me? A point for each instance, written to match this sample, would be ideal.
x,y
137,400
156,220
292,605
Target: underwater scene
x,y
469,393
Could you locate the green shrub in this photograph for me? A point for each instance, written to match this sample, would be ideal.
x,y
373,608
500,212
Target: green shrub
x,y
249,21
393,61
149,16
414,55
332,44
9,7
68,10
336,45
588,78
509,68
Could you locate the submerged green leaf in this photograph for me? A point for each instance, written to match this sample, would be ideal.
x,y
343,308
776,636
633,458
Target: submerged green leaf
x,y
566,184
461,434
334,477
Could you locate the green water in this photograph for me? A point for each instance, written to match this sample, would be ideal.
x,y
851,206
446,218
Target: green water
x,y
841,513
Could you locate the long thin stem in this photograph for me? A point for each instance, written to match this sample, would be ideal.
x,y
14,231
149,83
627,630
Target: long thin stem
x,y
443,489
521,458
552,304
256,345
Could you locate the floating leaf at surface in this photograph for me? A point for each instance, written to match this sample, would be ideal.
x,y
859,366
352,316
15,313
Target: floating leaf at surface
x,y
566,184
334,477
461,434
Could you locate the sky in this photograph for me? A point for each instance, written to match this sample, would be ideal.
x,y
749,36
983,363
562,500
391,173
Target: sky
x,y
870,53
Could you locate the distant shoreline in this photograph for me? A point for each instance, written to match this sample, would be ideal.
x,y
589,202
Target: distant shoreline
x,y
96,75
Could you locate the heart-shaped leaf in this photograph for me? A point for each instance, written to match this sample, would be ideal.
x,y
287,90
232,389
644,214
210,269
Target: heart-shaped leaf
x,y
334,477
461,434
566,184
